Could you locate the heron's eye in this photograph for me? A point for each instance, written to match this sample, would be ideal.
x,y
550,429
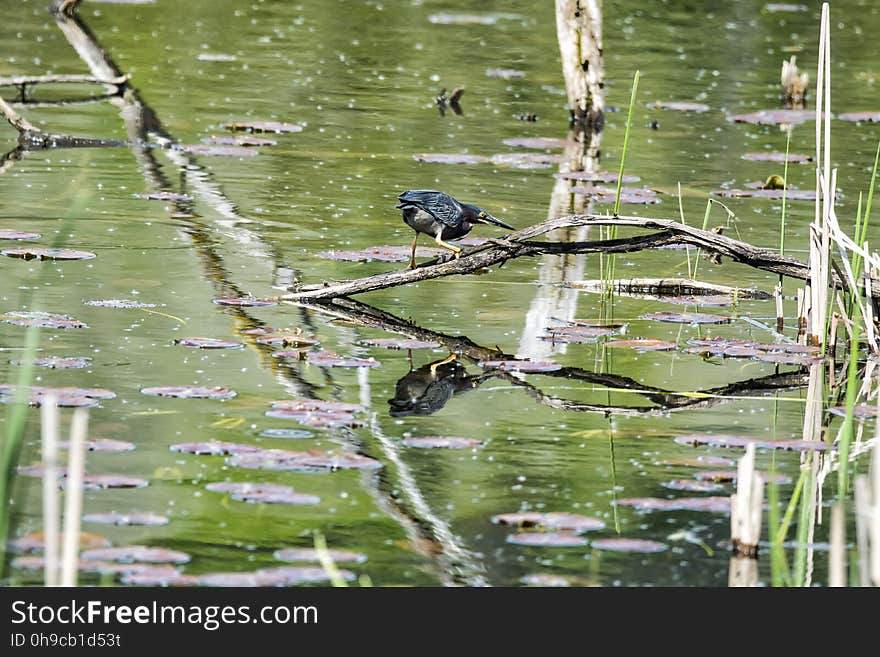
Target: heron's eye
x,y
482,215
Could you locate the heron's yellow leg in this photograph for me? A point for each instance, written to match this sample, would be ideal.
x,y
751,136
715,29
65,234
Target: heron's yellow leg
x,y
450,247
448,359
412,255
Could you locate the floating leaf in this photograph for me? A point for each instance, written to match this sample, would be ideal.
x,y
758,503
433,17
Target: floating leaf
x,y
295,575
790,194
547,539
57,362
276,459
642,344
442,442
776,7
7,234
286,339
719,342
693,486
103,482
723,440
269,497
159,577
317,419
687,318
118,303
102,445
777,156
470,19
245,302
576,333
297,353
218,150
681,106
126,519
570,522
860,411
246,488
240,140
292,434
35,542
702,461
48,254
189,392
540,142
527,160
398,343
803,360
214,448
776,117
165,196
628,545
42,320
207,343
710,504
598,176
316,405
524,366
867,117
264,126
331,359
383,253
451,158
310,555
136,553
730,476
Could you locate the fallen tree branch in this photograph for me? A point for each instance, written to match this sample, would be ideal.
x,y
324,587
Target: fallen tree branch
x,y
517,245
24,80
657,288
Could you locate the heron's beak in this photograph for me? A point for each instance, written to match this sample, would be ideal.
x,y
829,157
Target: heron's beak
x,y
489,219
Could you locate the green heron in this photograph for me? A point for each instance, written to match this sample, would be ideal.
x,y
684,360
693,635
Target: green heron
x,y
442,217
426,390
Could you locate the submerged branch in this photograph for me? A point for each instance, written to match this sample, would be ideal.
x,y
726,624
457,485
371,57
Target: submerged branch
x,y
517,245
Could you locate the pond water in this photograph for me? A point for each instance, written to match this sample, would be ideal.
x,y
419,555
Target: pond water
x,y
360,79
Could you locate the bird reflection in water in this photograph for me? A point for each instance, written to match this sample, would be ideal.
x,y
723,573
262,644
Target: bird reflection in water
x,y
426,389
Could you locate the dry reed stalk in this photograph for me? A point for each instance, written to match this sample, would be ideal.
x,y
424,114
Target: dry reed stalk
x,y
746,506
777,294
49,436
73,496
837,557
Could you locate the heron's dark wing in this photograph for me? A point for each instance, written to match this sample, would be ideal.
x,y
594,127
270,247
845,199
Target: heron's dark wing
x,y
441,206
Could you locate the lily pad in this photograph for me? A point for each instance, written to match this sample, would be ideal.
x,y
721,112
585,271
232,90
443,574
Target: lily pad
x,y
569,522
276,459
702,461
287,434
777,156
159,577
642,344
165,196
297,353
442,442
264,126
866,117
790,194
39,319
524,366
722,440
628,545
118,303
103,445
58,362
776,117
189,392
35,542
547,539
598,176
240,140
310,555
730,476
687,318
720,342
207,343
219,150
48,254
804,360
136,553
316,405
398,343
104,482
681,106
576,333
709,504
317,419
246,488
245,302
331,359
126,519
214,448
8,234
526,159
286,339
693,486
860,411
295,575
451,158
540,142
270,497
